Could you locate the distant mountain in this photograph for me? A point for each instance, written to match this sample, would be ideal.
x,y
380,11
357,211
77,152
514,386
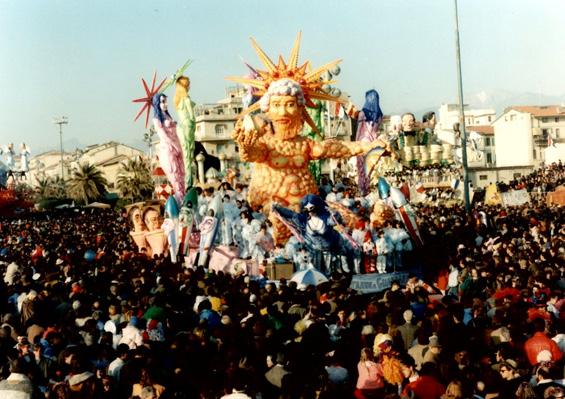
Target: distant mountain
x,y
139,144
501,99
68,146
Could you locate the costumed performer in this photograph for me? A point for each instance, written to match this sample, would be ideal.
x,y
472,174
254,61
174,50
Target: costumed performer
x,y
280,155
186,127
170,151
369,121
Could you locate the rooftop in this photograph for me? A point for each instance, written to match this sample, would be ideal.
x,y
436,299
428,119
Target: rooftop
x,y
539,111
481,129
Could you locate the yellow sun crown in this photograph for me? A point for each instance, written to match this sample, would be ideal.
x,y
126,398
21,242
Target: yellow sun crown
x,y
311,82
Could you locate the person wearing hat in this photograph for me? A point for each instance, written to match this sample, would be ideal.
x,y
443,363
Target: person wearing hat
x,y
511,379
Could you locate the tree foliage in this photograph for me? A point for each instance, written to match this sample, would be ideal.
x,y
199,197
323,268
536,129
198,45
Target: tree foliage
x,y
86,184
134,180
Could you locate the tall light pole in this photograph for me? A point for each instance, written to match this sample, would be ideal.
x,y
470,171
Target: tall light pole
x,y
462,115
148,138
63,120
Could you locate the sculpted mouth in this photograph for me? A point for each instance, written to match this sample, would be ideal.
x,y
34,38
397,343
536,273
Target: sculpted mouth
x,y
282,120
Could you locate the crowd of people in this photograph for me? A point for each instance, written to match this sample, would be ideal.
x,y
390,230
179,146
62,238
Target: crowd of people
x,y
84,315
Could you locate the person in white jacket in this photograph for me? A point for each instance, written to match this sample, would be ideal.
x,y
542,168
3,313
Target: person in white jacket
x,y
131,335
383,249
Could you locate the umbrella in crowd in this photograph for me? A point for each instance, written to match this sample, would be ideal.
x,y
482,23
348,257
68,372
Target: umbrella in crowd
x,y
307,277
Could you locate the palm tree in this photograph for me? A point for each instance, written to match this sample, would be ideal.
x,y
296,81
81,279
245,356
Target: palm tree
x,y
43,188
86,184
134,179
49,187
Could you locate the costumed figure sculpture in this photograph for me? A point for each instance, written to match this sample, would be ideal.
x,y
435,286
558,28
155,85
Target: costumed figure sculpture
x,y
186,127
317,228
368,124
24,159
10,153
189,234
273,143
170,151
208,229
170,227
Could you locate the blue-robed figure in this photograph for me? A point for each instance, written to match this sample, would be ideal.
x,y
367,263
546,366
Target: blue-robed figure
x,y
319,231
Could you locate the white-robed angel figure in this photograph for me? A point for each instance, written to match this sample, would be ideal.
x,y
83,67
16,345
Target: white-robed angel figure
x,y
24,159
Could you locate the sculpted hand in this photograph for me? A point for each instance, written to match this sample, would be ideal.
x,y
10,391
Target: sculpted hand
x,y
248,131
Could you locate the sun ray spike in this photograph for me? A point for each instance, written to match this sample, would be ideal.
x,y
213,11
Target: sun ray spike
x,y
293,59
250,109
160,85
140,112
263,57
147,117
281,66
246,81
309,120
145,87
319,71
153,84
324,96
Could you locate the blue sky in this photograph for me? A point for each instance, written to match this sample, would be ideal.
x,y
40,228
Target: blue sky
x,y
85,59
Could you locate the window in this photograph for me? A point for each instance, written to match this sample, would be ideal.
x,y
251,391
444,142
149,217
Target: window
x,y
556,119
489,157
487,141
490,118
512,117
534,154
517,175
483,177
544,132
544,120
220,130
492,141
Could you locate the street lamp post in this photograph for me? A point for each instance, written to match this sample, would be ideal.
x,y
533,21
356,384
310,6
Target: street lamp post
x,y
462,115
148,138
63,120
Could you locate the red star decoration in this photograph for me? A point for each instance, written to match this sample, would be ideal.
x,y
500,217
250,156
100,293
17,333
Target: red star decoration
x,y
149,97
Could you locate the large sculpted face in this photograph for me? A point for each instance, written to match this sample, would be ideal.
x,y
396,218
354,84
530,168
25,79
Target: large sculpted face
x,y
286,116
136,220
408,122
152,220
163,103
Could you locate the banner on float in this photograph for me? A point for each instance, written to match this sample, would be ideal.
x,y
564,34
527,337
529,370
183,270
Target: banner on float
x,y
515,197
372,283
492,196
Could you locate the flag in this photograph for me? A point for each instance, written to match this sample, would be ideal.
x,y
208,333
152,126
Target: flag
x,y
550,141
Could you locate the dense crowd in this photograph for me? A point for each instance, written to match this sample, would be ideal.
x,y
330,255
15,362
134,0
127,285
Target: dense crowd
x,y
85,316
542,180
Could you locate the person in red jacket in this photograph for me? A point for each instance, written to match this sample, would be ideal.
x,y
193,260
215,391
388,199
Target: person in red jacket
x,y
426,386
539,343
